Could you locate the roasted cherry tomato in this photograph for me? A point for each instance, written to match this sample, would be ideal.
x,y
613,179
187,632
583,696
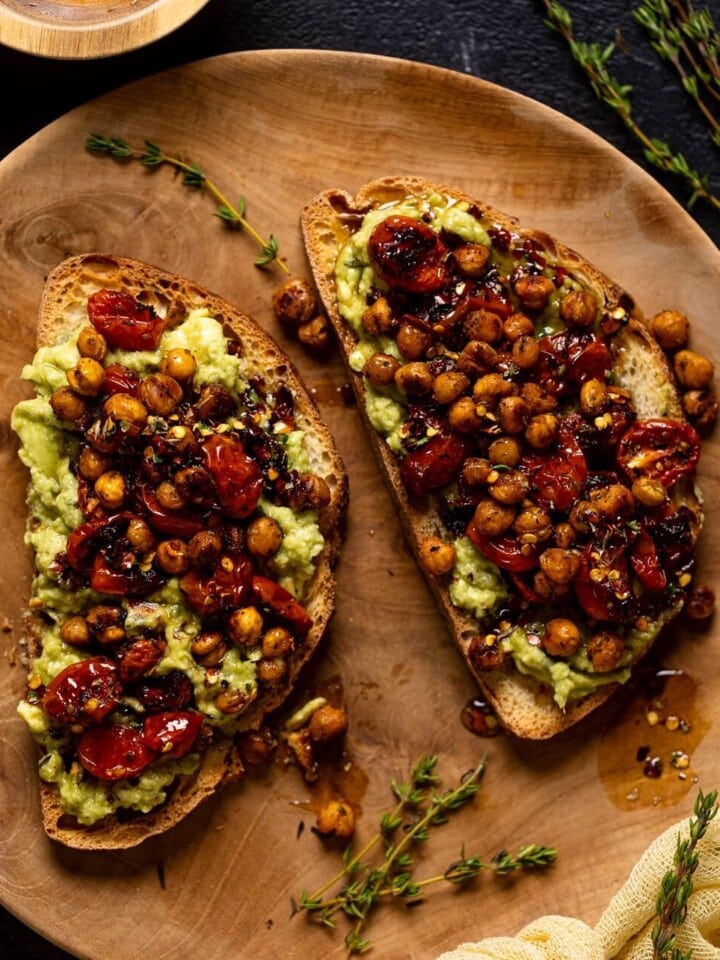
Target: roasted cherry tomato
x,y
171,691
557,477
83,543
646,563
603,595
662,449
83,693
115,752
282,603
588,358
125,323
172,733
408,254
224,588
568,359
505,551
139,658
170,523
237,477
434,465
120,379
128,582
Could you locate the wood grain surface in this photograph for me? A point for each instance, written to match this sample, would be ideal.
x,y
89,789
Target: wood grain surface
x,y
277,127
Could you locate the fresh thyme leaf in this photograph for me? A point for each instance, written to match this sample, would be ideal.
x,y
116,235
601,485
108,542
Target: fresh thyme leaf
x,y
152,156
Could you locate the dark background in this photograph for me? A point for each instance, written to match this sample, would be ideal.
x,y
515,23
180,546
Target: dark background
x,y
502,41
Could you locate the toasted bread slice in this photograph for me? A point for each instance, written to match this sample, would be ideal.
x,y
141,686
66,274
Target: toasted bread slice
x,y
63,308
525,706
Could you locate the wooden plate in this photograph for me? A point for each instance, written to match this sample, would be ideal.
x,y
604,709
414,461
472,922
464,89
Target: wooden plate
x,y
81,29
276,127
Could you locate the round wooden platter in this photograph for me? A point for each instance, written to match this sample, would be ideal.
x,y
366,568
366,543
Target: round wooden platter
x,y
276,127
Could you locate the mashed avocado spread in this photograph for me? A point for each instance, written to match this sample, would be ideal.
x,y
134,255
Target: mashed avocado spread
x,y
49,447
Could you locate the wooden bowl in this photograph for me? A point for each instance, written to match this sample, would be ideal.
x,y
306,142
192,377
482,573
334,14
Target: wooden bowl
x,y
83,29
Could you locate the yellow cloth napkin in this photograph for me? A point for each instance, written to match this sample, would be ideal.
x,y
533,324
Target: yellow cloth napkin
x,y
624,930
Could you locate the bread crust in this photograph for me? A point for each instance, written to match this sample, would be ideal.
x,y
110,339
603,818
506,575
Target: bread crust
x,y
524,706
62,307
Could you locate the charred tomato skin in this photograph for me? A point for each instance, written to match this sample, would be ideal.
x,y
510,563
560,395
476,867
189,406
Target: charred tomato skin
x,y
408,254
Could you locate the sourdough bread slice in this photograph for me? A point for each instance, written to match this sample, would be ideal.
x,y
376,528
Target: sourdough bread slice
x,y
62,309
524,705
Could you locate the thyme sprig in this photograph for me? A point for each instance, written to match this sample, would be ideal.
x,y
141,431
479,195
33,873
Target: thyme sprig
x,y
594,59
677,884
152,156
420,807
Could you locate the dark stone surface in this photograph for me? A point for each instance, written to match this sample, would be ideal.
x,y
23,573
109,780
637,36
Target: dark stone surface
x,y
503,41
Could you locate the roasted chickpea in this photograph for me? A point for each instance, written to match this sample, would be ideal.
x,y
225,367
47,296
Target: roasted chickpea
x,y
701,408
538,399
106,624
294,302
463,416
505,451
482,325
475,471
533,524
104,435
194,484
561,637
209,648
510,486
172,556
517,325
75,632
179,364
245,626
490,389
316,493
605,650
123,406
671,329
271,670
412,341
314,334
560,566
582,515
565,535
161,394
277,642
613,502
533,291
449,386
140,536
204,548
68,405
542,430
437,556
472,258
700,603
694,371
493,518
378,318
264,537
92,463
87,377
380,369
594,397
578,308
215,403
336,817
231,701
91,343
525,352
181,438
169,496
485,653
512,414
110,489
256,746
414,378
648,491
328,723
476,358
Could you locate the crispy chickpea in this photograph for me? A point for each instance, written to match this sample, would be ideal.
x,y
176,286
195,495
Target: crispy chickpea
x,y
594,397
380,369
700,603
414,378
91,343
92,463
75,632
169,496
264,537
648,491
123,406
245,626
377,319
525,352
605,650
493,518
209,648
161,394
277,642
449,386
317,493
68,405
671,329
87,377
490,389
271,670
181,437
561,637
328,723
482,325
110,489
194,484
506,451
315,334
485,653
204,548
172,556
517,325
512,414
701,407
582,515
294,302
140,536
413,342
538,399
510,487
106,623
437,556
231,701
463,416
613,502
533,291
179,364
476,358
472,258
256,746
533,524
565,535
694,371
475,471
336,817
542,430
578,308
560,566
